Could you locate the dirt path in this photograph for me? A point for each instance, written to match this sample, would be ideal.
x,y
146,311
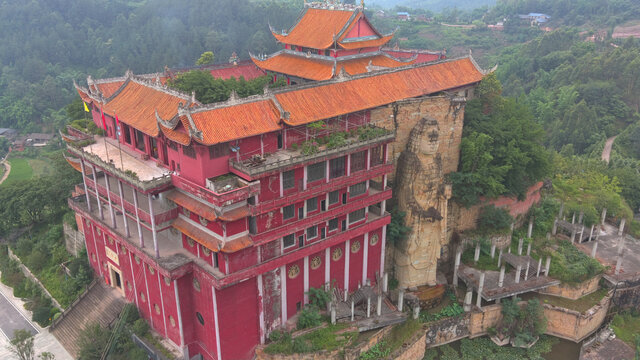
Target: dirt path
x,y
7,167
606,152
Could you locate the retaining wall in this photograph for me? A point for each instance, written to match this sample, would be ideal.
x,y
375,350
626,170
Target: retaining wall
x,y
573,325
573,292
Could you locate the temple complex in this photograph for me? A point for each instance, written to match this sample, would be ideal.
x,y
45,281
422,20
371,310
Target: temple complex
x,y
217,219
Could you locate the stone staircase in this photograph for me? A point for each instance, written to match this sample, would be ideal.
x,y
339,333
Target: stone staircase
x,y
99,304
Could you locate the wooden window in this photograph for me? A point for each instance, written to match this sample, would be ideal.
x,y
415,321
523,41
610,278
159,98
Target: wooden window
x,y
316,171
189,151
333,224
154,148
288,241
336,167
127,133
358,161
377,154
334,197
356,216
288,212
218,150
312,204
140,141
358,189
312,232
288,179
173,145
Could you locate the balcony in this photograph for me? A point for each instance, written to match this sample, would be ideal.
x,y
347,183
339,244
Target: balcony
x,y
277,161
124,163
220,191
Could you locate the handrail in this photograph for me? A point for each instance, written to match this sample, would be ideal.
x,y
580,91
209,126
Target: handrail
x,y
259,169
142,185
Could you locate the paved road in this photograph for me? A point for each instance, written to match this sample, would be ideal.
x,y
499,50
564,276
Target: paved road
x,y
11,319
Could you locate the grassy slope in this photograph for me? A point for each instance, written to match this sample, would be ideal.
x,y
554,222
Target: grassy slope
x,y
20,170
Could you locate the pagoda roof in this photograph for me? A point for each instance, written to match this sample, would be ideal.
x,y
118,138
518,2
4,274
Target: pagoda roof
x,y
322,27
152,108
318,67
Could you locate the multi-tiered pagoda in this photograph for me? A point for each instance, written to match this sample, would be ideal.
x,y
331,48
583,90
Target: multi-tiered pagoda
x,y
217,219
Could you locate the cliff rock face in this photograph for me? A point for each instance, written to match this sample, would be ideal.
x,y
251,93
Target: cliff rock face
x,y
429,132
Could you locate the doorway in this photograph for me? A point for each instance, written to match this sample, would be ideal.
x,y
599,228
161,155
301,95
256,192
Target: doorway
x,y
116,278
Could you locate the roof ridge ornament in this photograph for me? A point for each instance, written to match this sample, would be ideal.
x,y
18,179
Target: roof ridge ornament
x,y
342,75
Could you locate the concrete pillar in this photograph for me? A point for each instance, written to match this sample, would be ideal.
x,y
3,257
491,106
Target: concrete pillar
x,y
518,270
539,267
554,230
112,213
594,249
620,254
400,299
529,249
368,307
416,312
154,232
333,315
618,265
581,235
385,282
526,272
580,217
520,246
591,233
500,257
379,306
561,212
95,183
480,286
501,278
548,236
604,216
530,229
124,212
621,228
573,234
476,256
493,251
547,266
456,266
467,300
352,310
84,182
136,207
573,219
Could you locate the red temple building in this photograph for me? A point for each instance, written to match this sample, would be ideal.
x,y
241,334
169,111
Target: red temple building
x,y
216,219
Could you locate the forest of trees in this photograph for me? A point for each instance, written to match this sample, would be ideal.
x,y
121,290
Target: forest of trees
x,y
45,45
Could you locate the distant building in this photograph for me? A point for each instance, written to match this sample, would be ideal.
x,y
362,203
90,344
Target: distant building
x,y
8,133
403,16
38,139
499,26
535,18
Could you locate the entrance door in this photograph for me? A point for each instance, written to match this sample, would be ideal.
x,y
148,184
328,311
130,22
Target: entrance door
x,y
116,278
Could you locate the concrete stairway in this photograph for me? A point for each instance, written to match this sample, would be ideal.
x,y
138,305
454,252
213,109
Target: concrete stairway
x,y
101,304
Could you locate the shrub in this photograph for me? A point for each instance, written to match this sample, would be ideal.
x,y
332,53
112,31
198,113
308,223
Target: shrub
x,y
309,317
275,336
300,345
336,140
319,297
130,314
494,220
140,327
42,315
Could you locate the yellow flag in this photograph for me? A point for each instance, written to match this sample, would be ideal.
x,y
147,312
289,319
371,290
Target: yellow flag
x,y
85,106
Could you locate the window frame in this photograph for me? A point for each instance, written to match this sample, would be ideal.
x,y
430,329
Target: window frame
x,y
364,216
293,241
314,201
337,192
334,171
353,194
293,212
288,183
358,161
329,227
315,236
320,165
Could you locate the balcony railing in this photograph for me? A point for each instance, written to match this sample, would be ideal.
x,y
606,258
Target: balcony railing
x,y
270,163
246,190
144,185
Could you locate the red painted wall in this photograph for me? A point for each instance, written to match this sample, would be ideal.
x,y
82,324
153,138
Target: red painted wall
x,y
316,277
355,264
337,267
295,288
238,320
360,29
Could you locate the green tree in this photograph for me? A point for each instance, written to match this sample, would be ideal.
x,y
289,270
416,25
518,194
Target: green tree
x,y
206,58
22,345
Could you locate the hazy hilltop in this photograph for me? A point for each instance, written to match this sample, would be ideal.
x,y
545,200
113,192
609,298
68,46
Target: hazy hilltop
x,y
433,5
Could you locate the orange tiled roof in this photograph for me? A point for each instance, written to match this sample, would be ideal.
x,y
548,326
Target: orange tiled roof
x,y
359,65
181,137
75,163
325,101
209,241
299,66
193,205
235,214
232,122
109,88
317,69
366,43
137,103
197,234
317,28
